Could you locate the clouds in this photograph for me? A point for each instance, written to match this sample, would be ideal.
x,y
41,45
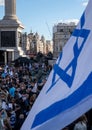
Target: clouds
x,y
85,3
1,2
71,21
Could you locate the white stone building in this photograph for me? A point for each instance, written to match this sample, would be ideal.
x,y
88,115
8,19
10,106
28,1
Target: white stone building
x,y
39,44
61,34
49,46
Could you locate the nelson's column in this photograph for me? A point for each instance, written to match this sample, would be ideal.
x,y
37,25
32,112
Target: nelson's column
x,y
10,34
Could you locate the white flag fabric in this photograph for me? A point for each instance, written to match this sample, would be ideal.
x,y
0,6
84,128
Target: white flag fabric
x,y
67,93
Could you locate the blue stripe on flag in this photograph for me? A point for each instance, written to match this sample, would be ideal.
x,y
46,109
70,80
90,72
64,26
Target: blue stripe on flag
x,y
82,20
83,33
62,105
42,116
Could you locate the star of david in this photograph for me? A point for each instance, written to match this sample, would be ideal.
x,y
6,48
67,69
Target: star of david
x,y
78,33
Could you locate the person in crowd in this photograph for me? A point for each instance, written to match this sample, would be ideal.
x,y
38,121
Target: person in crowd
x,y
7,125
12,90
3,115
89,118
19,122
81,123
12,119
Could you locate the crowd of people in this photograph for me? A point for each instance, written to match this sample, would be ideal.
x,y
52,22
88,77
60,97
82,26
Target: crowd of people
x,y
19,88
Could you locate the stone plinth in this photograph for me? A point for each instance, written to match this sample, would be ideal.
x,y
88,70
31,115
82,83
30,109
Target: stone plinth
x,y
10,27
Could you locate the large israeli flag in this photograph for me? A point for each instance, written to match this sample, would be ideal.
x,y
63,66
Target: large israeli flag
x,y
67,93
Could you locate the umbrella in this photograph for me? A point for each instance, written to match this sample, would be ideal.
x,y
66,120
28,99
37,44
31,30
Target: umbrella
x,y
21,60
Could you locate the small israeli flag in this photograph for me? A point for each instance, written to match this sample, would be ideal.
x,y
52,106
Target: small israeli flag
x,y
67,93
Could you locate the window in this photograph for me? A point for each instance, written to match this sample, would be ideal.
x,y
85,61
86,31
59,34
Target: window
x,y
8,39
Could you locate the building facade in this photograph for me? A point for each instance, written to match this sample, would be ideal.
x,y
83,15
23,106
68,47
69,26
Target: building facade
x,y
61,34
36,44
